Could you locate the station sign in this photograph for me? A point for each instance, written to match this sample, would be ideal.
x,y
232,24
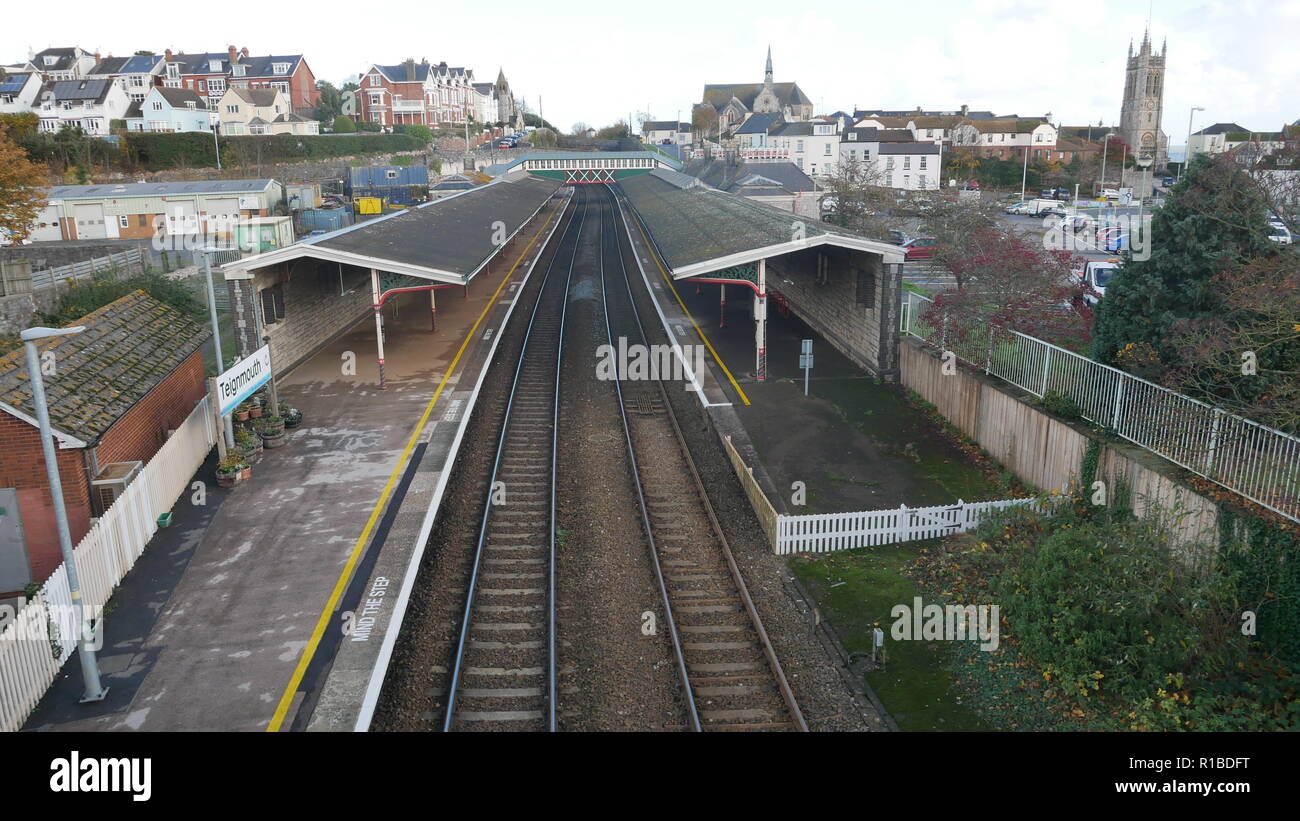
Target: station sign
x,y
243,379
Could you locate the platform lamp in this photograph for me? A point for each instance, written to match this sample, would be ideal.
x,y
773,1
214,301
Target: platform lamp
x,y
94,690
1187,154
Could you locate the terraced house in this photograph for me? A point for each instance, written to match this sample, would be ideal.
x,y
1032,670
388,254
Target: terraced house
x,y
90,105
260,111
212,74
412,93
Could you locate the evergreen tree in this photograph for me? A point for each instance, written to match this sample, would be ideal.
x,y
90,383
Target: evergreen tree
x,y
1213,220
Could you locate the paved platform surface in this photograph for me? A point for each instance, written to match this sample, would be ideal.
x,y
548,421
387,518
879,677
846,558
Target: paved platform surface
x,y
209,629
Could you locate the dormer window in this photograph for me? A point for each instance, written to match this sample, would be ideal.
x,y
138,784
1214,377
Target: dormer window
x,y
214,65
237,70
190,105
173,71
49,60
280,68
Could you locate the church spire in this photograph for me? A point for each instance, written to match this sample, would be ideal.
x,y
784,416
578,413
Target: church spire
x,y
767,72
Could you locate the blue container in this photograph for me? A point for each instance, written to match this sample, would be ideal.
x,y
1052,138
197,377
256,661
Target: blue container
x,y
323,219
389,176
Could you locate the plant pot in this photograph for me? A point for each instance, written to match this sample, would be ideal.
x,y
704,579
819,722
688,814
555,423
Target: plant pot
x,y
246,473
255,412
273,440
226,480
292,422
165,519
276,429
241,415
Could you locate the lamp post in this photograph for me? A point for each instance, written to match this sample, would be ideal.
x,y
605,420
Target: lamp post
x,y
216,146
1105,147
1024,175
1187,156
94,690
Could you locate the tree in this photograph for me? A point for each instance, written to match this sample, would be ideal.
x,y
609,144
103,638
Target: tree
x,y
344,125
704,120
1010,284
22,184
856,199
579,129
1214,220
330,104
1245,358
421,132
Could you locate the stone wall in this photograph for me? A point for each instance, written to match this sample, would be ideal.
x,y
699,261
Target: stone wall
x,y
828,300
1047,452
18,311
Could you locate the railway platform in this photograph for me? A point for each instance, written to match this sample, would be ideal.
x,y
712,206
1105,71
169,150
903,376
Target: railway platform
x,y
231,619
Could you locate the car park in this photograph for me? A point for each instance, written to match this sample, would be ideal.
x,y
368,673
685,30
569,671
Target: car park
x,y
1019,208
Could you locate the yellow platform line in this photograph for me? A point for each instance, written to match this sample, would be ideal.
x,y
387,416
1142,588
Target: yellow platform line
x,y
322,623
687,311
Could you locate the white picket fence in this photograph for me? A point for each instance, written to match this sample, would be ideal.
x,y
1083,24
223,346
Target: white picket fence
x,y
829,532
28,661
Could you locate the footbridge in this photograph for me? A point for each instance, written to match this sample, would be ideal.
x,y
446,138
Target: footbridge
x,y
578,167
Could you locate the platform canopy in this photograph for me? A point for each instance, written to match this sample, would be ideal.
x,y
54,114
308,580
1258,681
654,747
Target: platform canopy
x,y
698,230
447,241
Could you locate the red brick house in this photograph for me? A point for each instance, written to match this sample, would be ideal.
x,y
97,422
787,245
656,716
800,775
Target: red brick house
x,y
210,74
116,390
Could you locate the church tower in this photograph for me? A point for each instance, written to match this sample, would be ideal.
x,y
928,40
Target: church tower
x,y
767,101
1144,95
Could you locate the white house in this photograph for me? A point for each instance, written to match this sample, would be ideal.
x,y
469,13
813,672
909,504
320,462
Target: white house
x,y
91,105
666,132
169,110
260,111
136,75
18,92
55,64
813,146
1003,139
862,144
908,166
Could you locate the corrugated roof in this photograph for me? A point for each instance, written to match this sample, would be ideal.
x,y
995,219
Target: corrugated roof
x,y
697,227
156,189
455,234
128,347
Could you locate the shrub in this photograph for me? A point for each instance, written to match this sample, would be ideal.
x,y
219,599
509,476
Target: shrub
x,y
366,125
344,125
81,299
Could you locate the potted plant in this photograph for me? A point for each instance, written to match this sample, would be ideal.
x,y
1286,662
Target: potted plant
x,y
242,411
248,442
292,416
255,408
272,431
230,471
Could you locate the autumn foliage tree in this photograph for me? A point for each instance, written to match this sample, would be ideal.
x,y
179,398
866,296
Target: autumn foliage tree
x,y
1008,285
1245,357
22,184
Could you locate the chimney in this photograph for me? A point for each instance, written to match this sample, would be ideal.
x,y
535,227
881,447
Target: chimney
x,y
232,54
243,52
409,63
167,55
96,56
965,109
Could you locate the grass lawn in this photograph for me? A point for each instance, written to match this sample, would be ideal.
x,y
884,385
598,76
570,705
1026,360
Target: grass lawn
x,y
855,591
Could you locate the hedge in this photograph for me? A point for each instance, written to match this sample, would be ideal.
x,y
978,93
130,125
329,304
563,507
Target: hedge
x,y
156,152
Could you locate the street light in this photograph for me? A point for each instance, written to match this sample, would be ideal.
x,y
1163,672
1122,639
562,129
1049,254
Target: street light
x,y
94,690
1187,156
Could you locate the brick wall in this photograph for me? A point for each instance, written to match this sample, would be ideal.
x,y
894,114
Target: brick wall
x,y
868,336
22,466
143,429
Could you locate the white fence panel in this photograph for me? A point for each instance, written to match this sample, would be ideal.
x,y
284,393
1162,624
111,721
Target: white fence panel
x,y
830,532
104,556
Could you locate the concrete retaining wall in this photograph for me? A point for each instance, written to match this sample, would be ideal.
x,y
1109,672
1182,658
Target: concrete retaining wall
x,y
1046,452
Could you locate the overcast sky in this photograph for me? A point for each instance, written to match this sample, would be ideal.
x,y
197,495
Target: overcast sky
x,y
596,62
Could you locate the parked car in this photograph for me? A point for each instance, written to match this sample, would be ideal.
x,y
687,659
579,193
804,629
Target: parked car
x,y
1113,239
1280,234
1052,211
1095,276
1168,182
898,237
921,248
1019,208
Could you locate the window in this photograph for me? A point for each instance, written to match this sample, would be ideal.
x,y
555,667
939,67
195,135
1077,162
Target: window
x,y
238,70
216,86
173,71
280,68
853,135
907,180
124,221
828,149
272,304
157,106
374,79
923,163
920,182
907,163
232,109
866,282
889,163
376,99
929,132
391,173
799,146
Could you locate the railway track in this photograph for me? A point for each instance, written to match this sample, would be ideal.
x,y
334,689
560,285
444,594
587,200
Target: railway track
x,y
503,672
728,667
